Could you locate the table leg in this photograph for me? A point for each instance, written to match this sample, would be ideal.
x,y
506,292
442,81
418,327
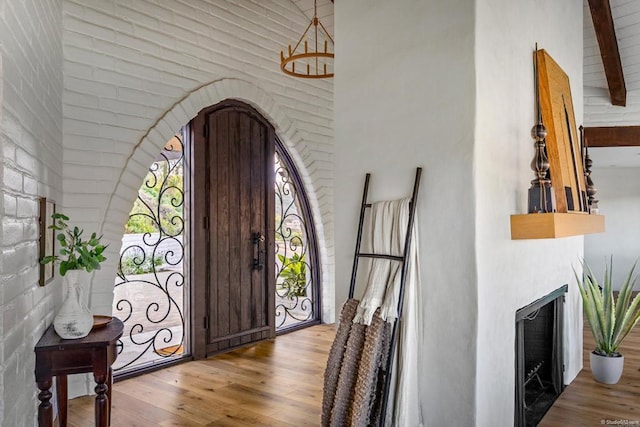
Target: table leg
x,y
45,409
110,385
102,401
61,398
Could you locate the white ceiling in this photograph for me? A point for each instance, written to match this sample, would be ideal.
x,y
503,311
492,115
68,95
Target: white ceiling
x,y
325,12
626,18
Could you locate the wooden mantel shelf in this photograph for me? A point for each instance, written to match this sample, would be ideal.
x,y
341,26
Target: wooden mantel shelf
x,y
553,225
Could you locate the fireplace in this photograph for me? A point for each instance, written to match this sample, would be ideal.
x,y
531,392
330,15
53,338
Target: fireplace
x,y
539,357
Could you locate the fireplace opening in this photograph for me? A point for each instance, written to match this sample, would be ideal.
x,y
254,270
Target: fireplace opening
x,y
539,357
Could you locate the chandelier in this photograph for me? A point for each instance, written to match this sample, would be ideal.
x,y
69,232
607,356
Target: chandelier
x,y
312,58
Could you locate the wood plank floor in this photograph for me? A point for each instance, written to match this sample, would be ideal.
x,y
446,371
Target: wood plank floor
x,y
277,383
586,402
280,384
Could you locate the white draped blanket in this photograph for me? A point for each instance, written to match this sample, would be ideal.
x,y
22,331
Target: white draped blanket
x,y
388,227
406,400
389,220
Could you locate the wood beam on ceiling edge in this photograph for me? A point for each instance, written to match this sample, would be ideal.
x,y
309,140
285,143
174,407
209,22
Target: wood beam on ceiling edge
x,y
612,136
606,34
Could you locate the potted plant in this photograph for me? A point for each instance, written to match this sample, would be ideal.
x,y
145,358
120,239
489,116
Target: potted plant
x,y
610,318
76,254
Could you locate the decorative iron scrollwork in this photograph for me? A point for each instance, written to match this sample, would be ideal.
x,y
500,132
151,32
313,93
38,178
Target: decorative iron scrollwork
x,y
149,288
296,287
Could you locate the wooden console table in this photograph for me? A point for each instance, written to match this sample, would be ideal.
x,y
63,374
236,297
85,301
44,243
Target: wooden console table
x,y
59,357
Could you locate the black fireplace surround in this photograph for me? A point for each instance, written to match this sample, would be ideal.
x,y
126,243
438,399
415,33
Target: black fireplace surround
x,y
539,357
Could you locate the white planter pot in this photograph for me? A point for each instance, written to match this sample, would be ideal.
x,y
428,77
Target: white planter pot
x,y
606,370
74,320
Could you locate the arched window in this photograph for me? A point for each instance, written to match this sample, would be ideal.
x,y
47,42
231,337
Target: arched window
x,y
149,287
297,272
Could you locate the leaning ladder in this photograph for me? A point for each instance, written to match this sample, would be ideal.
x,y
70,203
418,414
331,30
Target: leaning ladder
x,y
386,372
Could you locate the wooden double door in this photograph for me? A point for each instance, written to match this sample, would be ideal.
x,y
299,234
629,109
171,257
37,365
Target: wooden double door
x,y
233,228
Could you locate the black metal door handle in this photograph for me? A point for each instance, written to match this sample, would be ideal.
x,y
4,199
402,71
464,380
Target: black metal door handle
x,y
258,250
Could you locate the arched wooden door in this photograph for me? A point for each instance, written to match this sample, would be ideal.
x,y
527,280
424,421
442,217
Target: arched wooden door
x,y
233,228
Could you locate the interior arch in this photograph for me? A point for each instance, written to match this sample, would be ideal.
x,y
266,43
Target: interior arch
x,y
135,168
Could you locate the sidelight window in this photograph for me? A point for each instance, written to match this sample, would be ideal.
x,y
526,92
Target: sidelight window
x,y
297,293
149,291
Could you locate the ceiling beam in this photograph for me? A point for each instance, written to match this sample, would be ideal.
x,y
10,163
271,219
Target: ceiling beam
x,y
612,136
606,34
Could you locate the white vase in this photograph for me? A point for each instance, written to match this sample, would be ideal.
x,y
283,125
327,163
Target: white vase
x,y
606,370
74,320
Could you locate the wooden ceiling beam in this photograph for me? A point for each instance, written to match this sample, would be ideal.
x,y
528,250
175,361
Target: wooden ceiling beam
x,y
606,34
612,136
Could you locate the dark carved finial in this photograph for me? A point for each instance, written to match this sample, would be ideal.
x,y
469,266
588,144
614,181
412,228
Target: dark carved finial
x,y
591,189
540,162
541,196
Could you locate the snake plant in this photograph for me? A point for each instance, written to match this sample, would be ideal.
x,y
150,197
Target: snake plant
x,y
610,318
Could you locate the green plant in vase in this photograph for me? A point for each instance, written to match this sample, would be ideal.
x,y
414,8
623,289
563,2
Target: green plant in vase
x,y
610,319
76,254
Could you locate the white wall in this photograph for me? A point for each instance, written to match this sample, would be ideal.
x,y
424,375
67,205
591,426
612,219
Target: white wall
x,y
136,72
30,165
405,97
450,88
619,195
615,175
511,274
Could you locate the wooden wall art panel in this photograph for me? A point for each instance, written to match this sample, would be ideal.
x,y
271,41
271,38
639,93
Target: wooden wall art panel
x,y
563,144
47,239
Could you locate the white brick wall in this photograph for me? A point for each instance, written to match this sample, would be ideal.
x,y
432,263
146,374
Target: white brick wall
x,y
135,72
31,86
598,110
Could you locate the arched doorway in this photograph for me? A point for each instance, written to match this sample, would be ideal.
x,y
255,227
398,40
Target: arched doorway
x,y
233,227
238,180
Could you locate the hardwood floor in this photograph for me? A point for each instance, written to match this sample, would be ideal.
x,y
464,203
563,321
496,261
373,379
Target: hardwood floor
x,y
586,402
279,383
274,383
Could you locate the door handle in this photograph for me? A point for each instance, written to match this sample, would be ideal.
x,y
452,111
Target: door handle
x,y
258,250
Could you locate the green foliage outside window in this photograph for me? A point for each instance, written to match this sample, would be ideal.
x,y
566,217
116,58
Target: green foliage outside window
x,y
294,273
134,264
158,190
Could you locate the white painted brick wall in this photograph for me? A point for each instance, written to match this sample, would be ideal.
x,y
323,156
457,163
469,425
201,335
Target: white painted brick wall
x,y
123,74
136,71
7,204
598,110
31,86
